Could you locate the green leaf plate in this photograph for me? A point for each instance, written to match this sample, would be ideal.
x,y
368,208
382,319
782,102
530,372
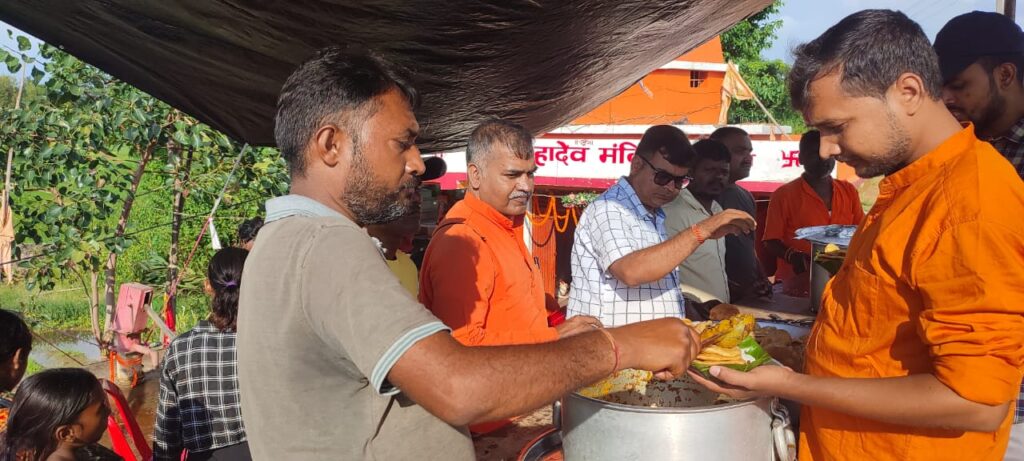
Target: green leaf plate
x,y
752,353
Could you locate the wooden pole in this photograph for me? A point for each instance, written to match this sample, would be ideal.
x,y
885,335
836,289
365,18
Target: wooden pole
x,y
1007,8
7,269
759,104
10,151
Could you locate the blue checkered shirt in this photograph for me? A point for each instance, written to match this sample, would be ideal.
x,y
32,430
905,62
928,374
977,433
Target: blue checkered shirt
x,y
613,226
1011,146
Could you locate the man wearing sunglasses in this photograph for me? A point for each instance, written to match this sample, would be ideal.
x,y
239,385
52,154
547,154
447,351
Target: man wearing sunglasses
x,y
623,264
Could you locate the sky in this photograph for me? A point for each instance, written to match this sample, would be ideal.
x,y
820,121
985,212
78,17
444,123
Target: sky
x,y
804,20
10,43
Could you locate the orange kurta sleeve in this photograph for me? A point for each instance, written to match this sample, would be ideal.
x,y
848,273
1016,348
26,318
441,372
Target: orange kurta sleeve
x,y
970,316
461,273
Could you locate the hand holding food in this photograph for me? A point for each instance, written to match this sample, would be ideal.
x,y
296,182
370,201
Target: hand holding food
x,y
729,342
761,381
664,346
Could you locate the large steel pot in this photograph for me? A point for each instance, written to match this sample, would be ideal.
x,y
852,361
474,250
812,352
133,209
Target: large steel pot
x,y
686,425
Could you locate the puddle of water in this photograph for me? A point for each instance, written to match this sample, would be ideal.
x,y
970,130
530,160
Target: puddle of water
x,y
65,349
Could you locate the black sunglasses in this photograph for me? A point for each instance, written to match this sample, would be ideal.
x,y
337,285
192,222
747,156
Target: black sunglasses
x,y
662,177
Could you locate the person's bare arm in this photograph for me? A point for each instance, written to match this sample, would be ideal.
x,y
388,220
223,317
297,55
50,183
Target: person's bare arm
x,y
652,263
776,248
798,259
459,384
917,400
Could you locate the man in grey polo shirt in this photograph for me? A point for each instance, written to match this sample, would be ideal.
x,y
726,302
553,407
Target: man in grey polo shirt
x,y
702,275
335,359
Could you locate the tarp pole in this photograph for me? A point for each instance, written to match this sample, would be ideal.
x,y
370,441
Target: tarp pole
x,y
1007,8
10,153
758,101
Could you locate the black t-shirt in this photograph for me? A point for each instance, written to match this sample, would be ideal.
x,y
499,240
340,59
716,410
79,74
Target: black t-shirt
x,y
741,263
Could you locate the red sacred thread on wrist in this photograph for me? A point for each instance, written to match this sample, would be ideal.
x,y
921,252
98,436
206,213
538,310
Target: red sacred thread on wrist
x,y
697,233
615,348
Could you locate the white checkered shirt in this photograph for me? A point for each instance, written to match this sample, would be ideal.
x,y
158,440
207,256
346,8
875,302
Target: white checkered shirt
x,y
199,407
1012,146
613,226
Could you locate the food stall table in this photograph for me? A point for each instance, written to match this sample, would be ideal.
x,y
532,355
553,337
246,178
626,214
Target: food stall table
x,y
780,307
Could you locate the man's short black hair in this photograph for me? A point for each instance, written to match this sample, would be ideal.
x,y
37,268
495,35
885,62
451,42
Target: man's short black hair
x,y
989,63
512,135
710,150
728,131
810,145
337,86
870,49
668,141
248,229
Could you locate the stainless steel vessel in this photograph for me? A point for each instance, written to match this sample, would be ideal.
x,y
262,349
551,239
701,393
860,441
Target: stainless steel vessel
x,y
686,425
819,278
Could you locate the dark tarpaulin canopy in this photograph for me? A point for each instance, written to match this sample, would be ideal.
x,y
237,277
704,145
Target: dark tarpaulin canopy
x,y
541,62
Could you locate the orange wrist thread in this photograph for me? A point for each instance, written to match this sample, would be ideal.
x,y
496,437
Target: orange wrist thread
x,y
698,234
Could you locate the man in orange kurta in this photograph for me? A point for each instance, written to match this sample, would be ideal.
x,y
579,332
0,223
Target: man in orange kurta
x,y
918,348
813,199
477,276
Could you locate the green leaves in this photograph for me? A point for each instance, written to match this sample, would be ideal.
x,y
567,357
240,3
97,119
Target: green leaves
x,y
743,44
78,141
23,43
748,38
12,62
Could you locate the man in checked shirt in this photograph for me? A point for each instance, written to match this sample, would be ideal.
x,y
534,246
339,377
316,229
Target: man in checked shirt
x,y
981,56
624,267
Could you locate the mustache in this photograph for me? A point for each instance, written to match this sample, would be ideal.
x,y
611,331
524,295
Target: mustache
x,y
410,183
518,195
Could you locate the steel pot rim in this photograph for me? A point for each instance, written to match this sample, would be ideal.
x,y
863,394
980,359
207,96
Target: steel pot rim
x,y
668,410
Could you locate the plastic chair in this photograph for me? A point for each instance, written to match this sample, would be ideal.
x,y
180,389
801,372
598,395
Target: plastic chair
x,y
117,436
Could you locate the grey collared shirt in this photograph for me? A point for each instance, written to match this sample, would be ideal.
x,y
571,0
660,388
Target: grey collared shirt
x,y
702,275
321,322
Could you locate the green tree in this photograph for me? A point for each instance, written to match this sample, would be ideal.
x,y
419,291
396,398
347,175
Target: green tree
x,y
82,155
9,84
749,37
743,45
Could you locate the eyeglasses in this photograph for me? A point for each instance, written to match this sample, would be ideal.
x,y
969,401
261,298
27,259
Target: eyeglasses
x,y
662,177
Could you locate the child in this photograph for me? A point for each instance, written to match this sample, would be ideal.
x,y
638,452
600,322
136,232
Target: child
x,y
57,414
199,407
15,345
